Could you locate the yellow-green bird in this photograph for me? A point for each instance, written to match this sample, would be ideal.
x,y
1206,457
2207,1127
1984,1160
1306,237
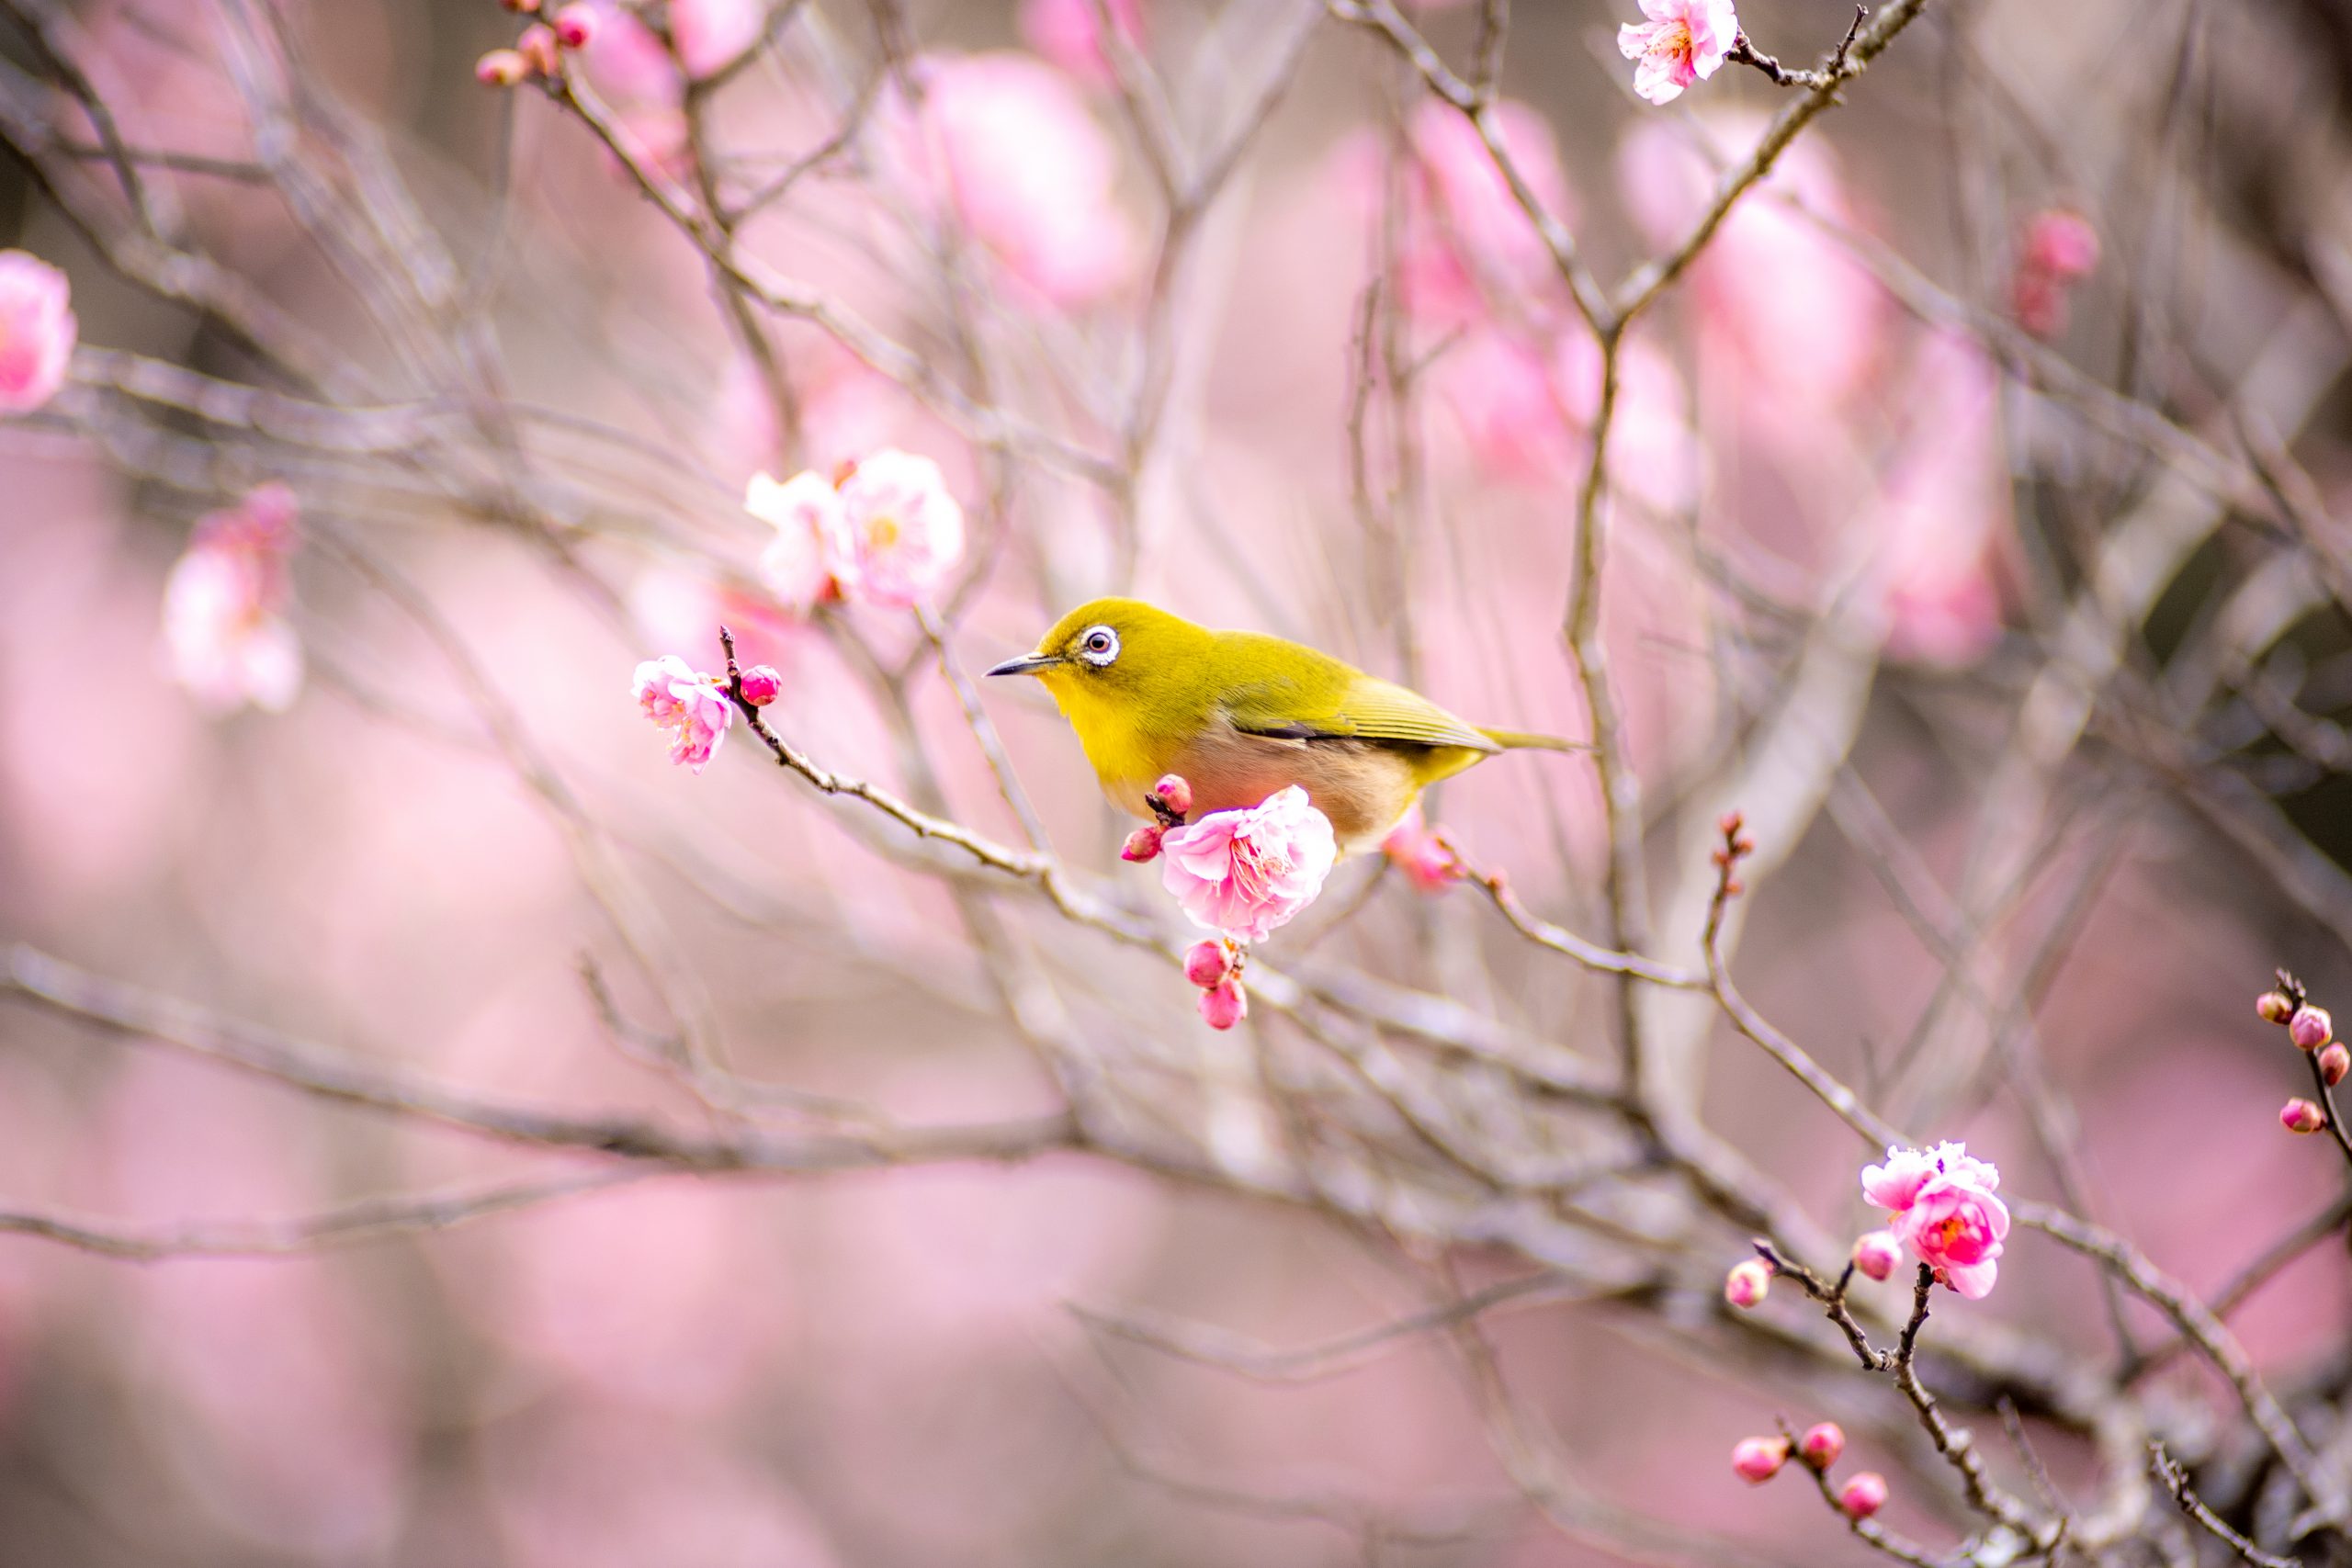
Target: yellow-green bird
x,y
1241,714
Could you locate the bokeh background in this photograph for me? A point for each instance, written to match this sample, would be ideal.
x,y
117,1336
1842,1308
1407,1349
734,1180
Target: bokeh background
x,y
2037,730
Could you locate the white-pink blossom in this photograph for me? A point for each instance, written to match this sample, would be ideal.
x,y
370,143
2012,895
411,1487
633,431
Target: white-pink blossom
x,y
1005,145
1244,872
812,544
905,532
691,705
1682,42
37,332
710,35
1945,1211
224,636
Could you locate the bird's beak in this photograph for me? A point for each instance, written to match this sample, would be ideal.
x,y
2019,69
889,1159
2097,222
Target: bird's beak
x,y
1027,665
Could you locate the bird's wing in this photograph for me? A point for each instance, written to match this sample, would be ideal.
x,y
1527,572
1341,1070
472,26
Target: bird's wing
x,y
1367,709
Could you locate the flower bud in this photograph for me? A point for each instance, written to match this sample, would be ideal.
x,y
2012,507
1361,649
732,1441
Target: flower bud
x,y
1758,1460
1877,1253
1206,964
537,47
2302,1116
575,25
1731,822
1863,1495
1142,844
2311,1028
501,68
1225,1004
2274,1006
1745,1286
761,686
2334,1063
1174,792
526,6
1821,1445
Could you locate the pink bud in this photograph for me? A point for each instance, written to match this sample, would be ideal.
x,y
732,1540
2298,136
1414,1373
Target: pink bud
x,y
1821,1445
1142,844
2311,1028
1863,1495
526,7
761,686
1746,1284
2334,1063
2274,1006
1877,1253
574,26
1225,1004
1206,964
2302,1116
1758,1460
2062,244
501,68
537,47
1176,793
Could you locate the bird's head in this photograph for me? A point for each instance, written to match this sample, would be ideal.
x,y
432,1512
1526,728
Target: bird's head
x,y
1115,652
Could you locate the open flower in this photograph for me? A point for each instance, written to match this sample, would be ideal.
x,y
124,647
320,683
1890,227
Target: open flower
x,y
1944,1212
687,703
223,634
905,531
1245,873
37,332
811,542
1682,41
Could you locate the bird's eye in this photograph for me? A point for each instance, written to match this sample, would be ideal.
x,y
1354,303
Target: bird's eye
x,y
1100,647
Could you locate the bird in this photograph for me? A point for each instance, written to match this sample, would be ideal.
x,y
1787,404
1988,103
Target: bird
x,y
1242,715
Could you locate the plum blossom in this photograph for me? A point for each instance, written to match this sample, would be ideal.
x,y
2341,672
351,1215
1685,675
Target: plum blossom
x,y
37,332
1244,872
905,531
1422,853
1683,41
1006,145
1757,1460
2061,249
224,635
1944,1212
687,703
802,563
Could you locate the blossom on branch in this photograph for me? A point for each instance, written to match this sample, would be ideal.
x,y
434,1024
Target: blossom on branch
x,y
687,703
223,634
906,532
1945,1211
1683,41
811,541
1244,872
37,332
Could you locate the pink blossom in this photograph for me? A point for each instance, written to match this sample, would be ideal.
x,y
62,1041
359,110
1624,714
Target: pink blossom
x,y
1065,32
1683,41
1206,964
1877,1252
503,68
761,686
1897,1184
1747,1283
223,634
1512,410
1955,1228
1244,872
2060,250
690,705
1225,1004
2310,1027
2302,1116
1757,1460
2334,1064
1821,1445
802,564
1465,236
1427,861
1005,144
1173,795
710,35
1863,1495
575,25
905,532
625,60
37,332
1143,844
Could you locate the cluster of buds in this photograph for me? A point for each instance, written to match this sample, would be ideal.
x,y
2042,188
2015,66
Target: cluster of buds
x,y
539,52
1215,968
1757,1460
1170,801
2313,1033
1736,847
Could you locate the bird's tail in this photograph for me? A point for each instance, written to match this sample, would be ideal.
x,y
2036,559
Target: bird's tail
x,y
1517,741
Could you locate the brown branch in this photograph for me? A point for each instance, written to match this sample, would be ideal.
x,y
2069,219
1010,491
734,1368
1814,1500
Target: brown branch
x,y
2175,1481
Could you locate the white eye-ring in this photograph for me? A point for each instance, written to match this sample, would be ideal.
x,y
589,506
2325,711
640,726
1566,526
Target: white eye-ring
x,y
1099,647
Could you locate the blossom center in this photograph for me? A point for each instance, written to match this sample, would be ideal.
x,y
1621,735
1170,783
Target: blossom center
x,y
1671,38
